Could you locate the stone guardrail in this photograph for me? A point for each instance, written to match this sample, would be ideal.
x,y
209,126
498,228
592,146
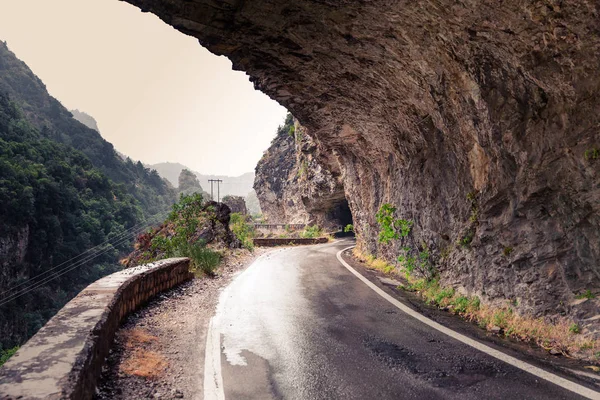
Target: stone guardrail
x,y
271,242
294,227
64,359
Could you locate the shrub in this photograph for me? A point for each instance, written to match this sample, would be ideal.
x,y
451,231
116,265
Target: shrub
x,y
349,228
311,232
202,258
6,354
242,230
461,304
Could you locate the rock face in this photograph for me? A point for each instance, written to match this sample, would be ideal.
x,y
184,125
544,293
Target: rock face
x,y
446,110
297,183
237,204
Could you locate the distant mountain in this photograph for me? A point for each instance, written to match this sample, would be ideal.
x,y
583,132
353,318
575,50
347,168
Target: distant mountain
x,y
56,123
232,185
85,119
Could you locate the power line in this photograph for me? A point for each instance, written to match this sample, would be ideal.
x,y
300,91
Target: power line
x,y
92,249
61,272
94,252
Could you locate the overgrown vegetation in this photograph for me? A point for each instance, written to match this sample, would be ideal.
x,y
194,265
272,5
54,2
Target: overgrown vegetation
x,y
242,230
179,236
311,232
202,259
564,337
349,228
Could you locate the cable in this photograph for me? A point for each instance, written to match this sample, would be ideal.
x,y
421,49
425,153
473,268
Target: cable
x,y
92,249
59,273
117,242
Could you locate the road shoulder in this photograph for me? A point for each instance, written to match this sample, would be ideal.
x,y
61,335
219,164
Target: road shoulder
x,y
159,351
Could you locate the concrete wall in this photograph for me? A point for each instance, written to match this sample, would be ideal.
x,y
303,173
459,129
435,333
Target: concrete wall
x,y
64,359
284,242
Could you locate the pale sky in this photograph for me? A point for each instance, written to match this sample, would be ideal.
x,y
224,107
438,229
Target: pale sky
x,y
156,94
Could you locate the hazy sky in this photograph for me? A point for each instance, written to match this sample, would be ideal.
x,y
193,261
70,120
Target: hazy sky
x,y
157,94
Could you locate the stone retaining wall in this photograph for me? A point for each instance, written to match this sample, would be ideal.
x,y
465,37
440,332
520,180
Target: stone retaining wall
x,y
285,242
64,359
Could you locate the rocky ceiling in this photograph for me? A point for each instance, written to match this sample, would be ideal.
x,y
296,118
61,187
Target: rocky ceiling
x,y
478,120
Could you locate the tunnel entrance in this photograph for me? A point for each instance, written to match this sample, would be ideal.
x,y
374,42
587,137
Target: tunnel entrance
x,y
340,214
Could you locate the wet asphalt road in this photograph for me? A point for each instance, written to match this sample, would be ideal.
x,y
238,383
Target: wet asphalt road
x,y
298,325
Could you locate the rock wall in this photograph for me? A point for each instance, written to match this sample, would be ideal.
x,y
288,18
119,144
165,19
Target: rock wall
x,y
297,183
443,108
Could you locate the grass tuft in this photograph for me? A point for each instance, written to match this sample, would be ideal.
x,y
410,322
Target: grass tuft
x,y
563,336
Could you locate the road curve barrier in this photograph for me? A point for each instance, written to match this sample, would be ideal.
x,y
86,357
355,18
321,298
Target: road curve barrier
x,y
272,242
64,359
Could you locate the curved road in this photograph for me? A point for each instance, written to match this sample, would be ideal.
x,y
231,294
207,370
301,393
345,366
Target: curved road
x,y
298,325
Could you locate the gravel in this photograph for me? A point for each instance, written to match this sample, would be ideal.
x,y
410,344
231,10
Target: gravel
x,y
179,320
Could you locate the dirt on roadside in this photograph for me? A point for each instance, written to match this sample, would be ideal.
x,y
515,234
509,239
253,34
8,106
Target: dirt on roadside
x,y
159,351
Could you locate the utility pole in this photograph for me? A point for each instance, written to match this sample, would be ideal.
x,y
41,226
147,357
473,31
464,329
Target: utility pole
x,y
218,189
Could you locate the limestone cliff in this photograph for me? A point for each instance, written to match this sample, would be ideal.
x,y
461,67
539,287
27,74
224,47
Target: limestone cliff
x,y
442,108
297,183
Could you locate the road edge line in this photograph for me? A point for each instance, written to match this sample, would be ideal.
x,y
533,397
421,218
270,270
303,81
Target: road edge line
x,y
213,379
540,373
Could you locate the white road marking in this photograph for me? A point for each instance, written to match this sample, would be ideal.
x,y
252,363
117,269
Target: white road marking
x,y
540,373
213,379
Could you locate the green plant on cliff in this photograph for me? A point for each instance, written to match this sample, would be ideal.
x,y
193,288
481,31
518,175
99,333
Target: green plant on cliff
x,y
390,227
586,295
349,228
420,263
6,354
592,153
242,230
287,128
413,259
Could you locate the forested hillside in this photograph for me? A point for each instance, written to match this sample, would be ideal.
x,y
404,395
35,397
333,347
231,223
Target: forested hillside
x,y
54,205
64,193
56,122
